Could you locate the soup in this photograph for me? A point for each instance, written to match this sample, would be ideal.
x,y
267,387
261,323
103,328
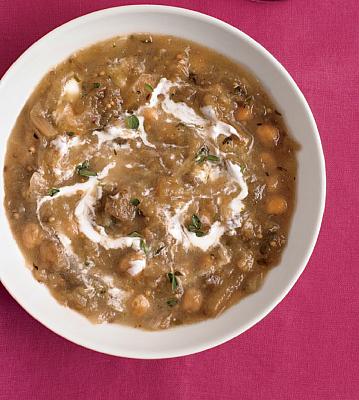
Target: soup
x,y
150,181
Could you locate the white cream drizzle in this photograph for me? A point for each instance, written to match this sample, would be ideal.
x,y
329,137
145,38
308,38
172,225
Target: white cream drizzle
x,y
207,126
236,204
63,144
180,233
211,239
84,212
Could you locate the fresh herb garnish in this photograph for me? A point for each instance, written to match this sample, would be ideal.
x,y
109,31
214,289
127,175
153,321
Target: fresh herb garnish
x,y
148,87
143,245
195,226
172,302
83,169
196,222
96,85
70,133
53,191
173,280
203,155
212,158
135,202
132,122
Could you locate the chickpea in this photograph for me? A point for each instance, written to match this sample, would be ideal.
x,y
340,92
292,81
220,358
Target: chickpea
x,y
243,114
268,160
192,300
272,183
31,235
140,305
268,135
276,205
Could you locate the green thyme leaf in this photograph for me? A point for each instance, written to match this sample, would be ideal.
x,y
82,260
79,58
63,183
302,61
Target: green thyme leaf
x,y
195,226
83,169
51,192
148,87
212,158
196,222
70,133
143,246
203,155
87,173
135,202
173,280
96,85
132,122
201,233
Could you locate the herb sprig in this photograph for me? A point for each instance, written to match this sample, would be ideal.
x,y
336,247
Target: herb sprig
x,y
135,202
196,226
143,245
173,280
132,122
52,191
84,169
149,87
203,155
172,276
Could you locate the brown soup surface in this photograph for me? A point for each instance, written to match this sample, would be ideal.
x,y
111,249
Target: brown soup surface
x,y
150,181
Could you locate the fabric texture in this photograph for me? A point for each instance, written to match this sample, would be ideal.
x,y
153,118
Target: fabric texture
x,y
308,347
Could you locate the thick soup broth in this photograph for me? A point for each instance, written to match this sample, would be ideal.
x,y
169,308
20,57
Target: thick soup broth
x,y
150,181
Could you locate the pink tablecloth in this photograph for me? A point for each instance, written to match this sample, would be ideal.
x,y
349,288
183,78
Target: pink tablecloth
x,y
308,347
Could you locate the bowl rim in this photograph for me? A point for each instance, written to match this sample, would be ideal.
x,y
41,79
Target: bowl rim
x,y
12,70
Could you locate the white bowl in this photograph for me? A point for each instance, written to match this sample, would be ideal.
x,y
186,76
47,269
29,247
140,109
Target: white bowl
x,y
17,85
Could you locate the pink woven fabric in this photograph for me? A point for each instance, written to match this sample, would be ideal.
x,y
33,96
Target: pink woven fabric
x,y
307,348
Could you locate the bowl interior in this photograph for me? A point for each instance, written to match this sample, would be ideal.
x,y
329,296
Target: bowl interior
x,y
17,85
